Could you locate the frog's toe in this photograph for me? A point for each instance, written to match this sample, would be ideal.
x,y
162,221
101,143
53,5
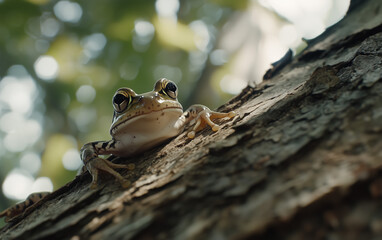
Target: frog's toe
x,y
94,173
131,166
116,165
125,183
231,114
215,128
99,164
191,134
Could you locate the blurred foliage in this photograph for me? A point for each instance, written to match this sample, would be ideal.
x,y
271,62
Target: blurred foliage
x,y
113,44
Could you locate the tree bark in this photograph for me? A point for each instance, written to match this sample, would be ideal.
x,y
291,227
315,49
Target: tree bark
x,y
302,160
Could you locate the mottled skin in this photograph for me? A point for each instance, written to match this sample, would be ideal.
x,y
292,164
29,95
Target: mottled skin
x,y
142,121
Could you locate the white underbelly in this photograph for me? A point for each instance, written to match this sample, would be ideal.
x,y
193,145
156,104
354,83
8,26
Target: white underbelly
x,y
146,131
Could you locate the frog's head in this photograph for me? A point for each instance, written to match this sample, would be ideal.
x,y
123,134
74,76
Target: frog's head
x,y
161,102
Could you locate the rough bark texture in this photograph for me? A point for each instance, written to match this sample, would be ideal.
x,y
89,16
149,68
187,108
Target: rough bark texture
x,y
302,160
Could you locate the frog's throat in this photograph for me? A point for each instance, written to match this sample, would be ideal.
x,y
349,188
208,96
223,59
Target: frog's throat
x,y
114,127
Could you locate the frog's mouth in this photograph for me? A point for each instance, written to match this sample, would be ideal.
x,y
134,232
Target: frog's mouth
x,y
150,115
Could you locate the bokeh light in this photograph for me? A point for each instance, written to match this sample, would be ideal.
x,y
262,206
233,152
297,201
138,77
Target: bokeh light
x,y
41,184
144,34
85,94
71,159
30,162
83,117
219,57
232,85
310,17
167,8
50,27
17,184
20,131
144,29
17,93
68,11
93,44
202,36
46,68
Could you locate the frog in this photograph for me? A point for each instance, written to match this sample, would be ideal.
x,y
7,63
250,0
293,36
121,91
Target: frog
x,y
141,122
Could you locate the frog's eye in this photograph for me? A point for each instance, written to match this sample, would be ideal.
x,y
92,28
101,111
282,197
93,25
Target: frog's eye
x,y
166,88
121,102
171,90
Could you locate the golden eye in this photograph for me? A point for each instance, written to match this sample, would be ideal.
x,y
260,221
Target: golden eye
x,y
121,100
171,90
166,88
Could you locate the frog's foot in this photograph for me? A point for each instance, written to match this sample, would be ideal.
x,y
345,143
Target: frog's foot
x,y
205,117
97,164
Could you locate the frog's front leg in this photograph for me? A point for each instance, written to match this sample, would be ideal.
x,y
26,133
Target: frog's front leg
x,y
203,116
94,164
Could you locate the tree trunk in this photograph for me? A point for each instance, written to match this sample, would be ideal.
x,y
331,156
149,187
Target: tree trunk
x,y
302,160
